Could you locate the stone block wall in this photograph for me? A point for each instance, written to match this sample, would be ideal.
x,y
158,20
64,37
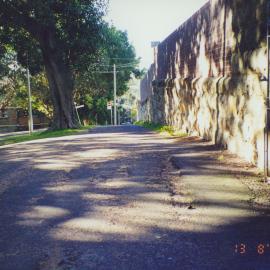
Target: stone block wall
x,y
206,79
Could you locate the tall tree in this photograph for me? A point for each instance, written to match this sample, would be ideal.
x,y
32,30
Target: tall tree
x,y
53,33
94,84
13,86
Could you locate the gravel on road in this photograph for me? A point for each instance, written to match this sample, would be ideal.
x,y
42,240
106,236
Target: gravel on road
x,y
126,198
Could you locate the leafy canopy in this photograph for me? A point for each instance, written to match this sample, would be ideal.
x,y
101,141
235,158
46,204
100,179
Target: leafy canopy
x,y
76,25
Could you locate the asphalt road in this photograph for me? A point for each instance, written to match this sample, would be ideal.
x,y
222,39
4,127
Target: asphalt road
x,y
125,198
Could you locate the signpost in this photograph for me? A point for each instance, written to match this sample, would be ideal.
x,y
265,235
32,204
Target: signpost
x,y
30,113
114,94
76,108
109,107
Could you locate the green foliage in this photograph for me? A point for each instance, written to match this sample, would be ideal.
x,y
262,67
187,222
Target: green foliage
x,y
97,79
75,24
167,130
94,86
13,89
101,110
55,34
85,43
41,96
42,135
133,113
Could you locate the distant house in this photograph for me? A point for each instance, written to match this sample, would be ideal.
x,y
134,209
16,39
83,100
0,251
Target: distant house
x,y
15,119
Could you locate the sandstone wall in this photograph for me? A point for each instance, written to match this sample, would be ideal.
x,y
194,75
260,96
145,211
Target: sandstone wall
x,y
206,79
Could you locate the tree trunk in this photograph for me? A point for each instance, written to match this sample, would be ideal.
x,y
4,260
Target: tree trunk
x,y
61,85
57,68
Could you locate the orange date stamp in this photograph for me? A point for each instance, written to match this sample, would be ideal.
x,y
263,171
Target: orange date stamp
x,y
260,248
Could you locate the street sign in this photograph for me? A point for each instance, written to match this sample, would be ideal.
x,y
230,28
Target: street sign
x,y
80,106
76,109
109,105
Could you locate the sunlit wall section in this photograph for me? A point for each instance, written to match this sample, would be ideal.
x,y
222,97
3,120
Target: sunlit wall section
x,y
208,76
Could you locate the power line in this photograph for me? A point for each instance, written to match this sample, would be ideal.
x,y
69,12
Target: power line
x,y
103,72
111,65
124,58
94,69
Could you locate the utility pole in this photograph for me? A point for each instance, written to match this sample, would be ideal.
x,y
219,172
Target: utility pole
x,y
111,117
267,118
30,114
76,109
114,94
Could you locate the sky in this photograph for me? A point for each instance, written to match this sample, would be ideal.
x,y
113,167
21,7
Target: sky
x,y
150,20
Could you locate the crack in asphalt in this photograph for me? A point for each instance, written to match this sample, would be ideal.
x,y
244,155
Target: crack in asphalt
x,y
124,198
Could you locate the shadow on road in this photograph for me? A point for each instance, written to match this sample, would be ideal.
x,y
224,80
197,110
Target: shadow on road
x,y
102,201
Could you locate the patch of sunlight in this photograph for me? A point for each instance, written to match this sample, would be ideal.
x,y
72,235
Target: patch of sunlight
x,y
120,184
64,187
52,166
16,159
158,215
142,140
96,225
98,197
258,61
159,196
203,61
145,214
55,164
218,214
38,214
138,212
225,197
211,218
136,219
82,236
164,133
95,229
97,153
25,150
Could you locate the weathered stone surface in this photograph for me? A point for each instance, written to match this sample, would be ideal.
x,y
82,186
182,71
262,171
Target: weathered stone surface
x,y
206,77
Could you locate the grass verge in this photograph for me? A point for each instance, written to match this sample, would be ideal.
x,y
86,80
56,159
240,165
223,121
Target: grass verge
x,y
41,135
162,129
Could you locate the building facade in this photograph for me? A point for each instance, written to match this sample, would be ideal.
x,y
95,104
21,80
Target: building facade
x,y
16,119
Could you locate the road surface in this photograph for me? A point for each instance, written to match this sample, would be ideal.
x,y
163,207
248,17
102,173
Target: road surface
x,y
125,198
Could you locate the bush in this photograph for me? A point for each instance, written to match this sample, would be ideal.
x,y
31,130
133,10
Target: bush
x,y
161,128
